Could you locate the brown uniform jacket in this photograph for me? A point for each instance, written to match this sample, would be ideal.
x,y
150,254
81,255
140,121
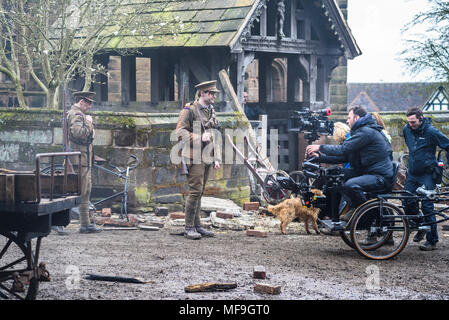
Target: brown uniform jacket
x,y
80,133
190,114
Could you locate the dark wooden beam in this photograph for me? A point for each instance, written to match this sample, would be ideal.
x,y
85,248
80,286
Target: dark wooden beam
x,y
128,68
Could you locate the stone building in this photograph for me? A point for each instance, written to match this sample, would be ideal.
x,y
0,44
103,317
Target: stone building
x,y
430,96
290,54
284,52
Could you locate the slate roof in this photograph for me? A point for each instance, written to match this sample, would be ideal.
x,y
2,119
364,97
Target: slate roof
x,y
204,23
391,96
208,23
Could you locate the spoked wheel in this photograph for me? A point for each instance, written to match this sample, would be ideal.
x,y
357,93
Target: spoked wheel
x,y
299,177
18,271
378,232
272,190
346,236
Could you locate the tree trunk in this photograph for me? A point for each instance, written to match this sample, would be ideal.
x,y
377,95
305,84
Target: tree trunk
x,y
51,98
19,93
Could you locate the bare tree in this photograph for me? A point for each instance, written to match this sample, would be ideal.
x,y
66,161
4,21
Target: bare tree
x,y
54,40
429,51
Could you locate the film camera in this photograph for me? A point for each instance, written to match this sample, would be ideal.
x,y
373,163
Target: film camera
x,y
312,123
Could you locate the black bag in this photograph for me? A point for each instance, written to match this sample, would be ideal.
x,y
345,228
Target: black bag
x,y
437,174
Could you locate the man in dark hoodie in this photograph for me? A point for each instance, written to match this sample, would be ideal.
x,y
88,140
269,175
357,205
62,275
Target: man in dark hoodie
x,y
422,139
370,156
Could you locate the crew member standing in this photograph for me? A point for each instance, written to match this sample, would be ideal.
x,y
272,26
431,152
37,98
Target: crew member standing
x,y
194,128
422,139
81,134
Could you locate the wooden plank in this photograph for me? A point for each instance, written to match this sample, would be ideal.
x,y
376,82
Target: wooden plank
x,y
229,90
2,187
100,277
25,186
119,228
147,228
210,287
9,188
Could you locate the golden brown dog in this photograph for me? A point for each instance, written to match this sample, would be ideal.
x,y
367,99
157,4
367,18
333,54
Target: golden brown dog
x,y
293,208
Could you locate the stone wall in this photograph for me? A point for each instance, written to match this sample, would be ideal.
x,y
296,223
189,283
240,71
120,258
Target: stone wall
x,y
396,120
155,182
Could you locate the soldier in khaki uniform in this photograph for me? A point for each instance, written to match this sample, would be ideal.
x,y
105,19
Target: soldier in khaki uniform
x,y
81,134
200,152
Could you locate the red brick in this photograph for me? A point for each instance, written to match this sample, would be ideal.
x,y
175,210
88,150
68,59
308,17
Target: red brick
x,y
224,215
135,219
106,212
259,272
102,220
267,289
251,206
177,215
256,233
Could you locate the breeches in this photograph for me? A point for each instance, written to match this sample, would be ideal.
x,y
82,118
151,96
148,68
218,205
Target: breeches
x,y
197,178
86,188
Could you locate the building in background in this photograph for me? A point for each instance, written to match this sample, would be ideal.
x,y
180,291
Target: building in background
x,y
430,96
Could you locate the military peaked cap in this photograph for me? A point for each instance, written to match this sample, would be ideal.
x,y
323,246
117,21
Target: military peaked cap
x,y
207,86
88,95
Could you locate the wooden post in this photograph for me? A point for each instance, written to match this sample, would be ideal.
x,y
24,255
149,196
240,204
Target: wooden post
x,y
263,23
128,68
101,83
313,79
263,135
229,90
155,85
7,188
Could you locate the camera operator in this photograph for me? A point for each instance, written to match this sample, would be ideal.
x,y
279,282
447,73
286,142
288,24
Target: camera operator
x,y
370,156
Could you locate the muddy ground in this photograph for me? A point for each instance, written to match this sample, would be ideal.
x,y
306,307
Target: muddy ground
x,y
307,267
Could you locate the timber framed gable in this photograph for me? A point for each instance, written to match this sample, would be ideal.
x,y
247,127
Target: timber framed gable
x,y
309,27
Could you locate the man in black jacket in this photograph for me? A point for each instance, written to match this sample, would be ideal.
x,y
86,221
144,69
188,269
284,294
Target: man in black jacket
x,y
370,156
422,139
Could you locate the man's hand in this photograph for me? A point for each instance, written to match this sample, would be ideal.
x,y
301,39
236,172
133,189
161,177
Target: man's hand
x,y
314,148
216,165
206,137
89,118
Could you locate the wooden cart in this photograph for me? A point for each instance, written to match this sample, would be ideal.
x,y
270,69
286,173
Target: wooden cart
x,y
30,204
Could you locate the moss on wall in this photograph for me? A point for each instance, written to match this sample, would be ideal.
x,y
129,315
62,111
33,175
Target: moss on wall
x,y
153,183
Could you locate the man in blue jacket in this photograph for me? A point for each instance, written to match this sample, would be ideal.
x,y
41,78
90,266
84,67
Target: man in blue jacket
x,y
422,139
370,156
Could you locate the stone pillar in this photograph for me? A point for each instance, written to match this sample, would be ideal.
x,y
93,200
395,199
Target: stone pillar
x,y
339,77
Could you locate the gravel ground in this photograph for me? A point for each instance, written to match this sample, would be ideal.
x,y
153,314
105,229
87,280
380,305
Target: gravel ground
x,y
307,267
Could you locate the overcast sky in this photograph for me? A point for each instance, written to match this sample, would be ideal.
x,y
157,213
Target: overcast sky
x,y
376,26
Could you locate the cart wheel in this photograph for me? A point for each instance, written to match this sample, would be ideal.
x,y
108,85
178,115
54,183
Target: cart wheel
x,y
379,233
272,190
17,269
